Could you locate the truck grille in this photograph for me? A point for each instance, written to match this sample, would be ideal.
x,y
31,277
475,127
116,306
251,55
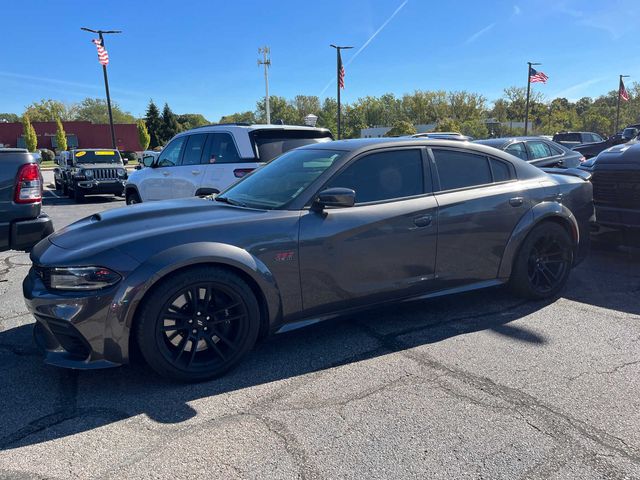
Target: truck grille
x,y
620,188
105,173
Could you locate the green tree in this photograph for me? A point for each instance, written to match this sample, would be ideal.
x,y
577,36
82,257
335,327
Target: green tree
x,y
61,136
447,125
49,110
29,133
95,111
475,128
281,110
401,128
154,124
143,134
187,121
9,117
242,117
327,115
305,105
170,125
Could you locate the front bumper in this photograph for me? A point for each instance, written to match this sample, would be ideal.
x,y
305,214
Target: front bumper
x,y
73,327
615,217
26,233
97,187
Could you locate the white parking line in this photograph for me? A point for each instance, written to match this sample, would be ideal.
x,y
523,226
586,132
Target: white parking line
x,y
52,193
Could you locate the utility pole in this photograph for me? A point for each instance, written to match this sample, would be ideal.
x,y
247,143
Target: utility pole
x,y
106,79
618,106
266,61
526,115
339,73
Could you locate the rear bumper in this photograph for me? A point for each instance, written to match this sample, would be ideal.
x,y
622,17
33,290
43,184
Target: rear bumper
x,y
25,234
90,187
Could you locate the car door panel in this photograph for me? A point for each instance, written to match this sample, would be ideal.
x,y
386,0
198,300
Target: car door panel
x,y
367,253
187,176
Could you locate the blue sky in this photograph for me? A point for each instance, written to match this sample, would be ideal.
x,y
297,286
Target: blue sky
x,y
200,56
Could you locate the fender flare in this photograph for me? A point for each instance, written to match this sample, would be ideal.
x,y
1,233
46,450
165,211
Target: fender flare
x,y
131,186
539,213
150,272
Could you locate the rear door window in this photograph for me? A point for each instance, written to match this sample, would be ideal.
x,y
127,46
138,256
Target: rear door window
x,y
461,170
519,150
271,143
220,148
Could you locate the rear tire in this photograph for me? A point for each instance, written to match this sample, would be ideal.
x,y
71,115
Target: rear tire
x,y
132,198
197,324
543,263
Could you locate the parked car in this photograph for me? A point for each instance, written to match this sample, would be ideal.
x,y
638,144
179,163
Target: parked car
x,y
321,230
616,186
537,151
443,136
573,139
90,171
22,223
591,150
208,159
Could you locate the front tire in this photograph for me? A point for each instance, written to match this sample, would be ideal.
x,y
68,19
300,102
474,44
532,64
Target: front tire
x,y
197,324
543,264
132,198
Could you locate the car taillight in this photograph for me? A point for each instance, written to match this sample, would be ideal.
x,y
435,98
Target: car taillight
x,y
241,172
28,184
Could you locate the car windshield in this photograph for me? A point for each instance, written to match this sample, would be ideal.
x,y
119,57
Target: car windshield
x,y
281,181
97,156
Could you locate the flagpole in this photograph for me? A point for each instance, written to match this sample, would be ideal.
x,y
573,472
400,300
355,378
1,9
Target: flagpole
x,y
106,82
526,115
618,105
338,84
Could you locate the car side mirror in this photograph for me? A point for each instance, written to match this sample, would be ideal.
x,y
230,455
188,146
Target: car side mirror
x,y
138,167
148,160
335,197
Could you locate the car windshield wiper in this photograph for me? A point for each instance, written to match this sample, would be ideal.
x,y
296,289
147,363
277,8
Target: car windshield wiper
x,y
230,201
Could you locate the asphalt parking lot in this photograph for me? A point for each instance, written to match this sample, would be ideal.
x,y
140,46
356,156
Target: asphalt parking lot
x,y
479,385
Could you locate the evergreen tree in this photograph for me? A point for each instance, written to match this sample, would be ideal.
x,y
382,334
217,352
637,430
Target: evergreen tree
x,y
153,123
143,135
30,137
61,136
170,125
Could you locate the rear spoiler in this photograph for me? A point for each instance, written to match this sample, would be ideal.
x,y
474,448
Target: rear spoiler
x,y
572,172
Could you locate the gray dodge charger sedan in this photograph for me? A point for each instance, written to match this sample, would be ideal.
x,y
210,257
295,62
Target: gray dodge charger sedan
x,y
320,231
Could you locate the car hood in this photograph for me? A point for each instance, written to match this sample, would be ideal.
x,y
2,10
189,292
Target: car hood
x,y
625,153
119,226
99,165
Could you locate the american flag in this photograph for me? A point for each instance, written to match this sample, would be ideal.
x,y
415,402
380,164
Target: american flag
x,y
103,55
536,76
340,71
624,95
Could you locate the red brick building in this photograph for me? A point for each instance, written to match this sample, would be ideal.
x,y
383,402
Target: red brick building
x,y
79,135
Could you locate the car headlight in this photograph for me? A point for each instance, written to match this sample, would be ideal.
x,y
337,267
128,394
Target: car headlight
x,y
88,173
82,278
121,172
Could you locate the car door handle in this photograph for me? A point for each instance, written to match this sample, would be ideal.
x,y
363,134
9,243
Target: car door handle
x,y
422,221
516,201
196,172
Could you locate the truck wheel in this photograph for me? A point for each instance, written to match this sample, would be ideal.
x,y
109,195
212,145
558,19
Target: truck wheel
x,y
65,190
78,196
197,324
57,185
541,267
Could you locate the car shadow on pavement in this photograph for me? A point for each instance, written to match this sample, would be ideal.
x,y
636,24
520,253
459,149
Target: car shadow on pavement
x,y
50,200
42,403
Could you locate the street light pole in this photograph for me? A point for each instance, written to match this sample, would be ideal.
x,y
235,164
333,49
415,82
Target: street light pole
x,y
618,106
106,80
266,61
526,115
338,67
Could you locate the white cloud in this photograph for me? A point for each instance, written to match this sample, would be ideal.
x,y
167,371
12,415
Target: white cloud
x,y
479,33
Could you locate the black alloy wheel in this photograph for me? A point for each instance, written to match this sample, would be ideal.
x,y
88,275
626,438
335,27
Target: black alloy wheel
x,y
198,325
542,266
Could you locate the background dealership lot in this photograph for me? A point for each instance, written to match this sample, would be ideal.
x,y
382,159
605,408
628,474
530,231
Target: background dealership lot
x,y
480,385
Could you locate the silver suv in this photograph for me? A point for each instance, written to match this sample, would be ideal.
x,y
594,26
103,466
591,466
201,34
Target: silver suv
x,y
209,159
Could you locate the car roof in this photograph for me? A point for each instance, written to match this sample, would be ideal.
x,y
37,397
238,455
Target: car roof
x,y
253,127
505,140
